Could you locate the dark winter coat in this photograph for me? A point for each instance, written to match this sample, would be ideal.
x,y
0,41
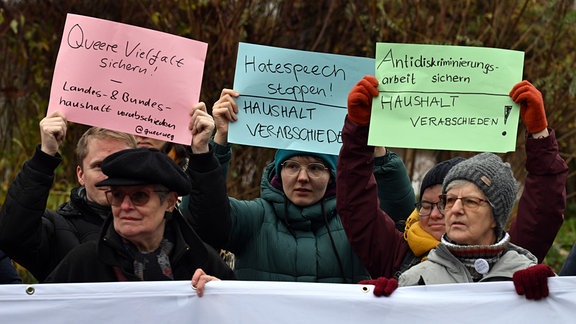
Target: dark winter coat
x,y
276,240
272,239
38,238
108,260
8,273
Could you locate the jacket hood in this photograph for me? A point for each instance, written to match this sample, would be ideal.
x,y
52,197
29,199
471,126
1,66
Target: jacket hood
x,y
300,218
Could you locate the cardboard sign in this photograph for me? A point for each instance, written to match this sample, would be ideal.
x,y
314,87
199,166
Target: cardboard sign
x,y
445,97
127,78
293,99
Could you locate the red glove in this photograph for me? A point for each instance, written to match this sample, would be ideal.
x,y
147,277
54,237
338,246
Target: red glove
x,y
531,106
533,281
360,100
382,286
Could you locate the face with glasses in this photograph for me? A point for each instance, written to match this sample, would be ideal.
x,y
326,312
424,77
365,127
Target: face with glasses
x,y
469,216
304,179
431,218
139,213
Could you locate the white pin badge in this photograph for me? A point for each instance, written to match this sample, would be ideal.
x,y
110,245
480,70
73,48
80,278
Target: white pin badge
x,y
481,266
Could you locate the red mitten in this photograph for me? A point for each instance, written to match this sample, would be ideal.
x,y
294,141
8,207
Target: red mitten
x,y
531,106
533,281
382,286
360,100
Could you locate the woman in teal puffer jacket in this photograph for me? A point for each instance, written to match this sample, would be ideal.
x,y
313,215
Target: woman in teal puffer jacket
x,y
292,232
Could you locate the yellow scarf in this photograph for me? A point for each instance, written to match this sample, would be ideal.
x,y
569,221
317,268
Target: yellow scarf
x,y
420,241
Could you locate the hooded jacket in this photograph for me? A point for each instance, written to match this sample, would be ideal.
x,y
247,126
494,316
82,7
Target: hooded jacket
x,y
394,186
276,240
272,239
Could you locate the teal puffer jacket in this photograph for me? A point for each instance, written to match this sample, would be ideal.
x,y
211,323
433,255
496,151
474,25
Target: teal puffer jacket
x,y
275,240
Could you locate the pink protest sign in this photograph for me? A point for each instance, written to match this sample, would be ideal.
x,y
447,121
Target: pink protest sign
x,y
127,78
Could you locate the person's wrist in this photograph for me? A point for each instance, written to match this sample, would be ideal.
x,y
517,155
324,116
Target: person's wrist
x,y
48,149
221,138
379,151
541,134
200,148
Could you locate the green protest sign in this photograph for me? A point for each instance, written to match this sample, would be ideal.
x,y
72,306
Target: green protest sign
x,y
445,97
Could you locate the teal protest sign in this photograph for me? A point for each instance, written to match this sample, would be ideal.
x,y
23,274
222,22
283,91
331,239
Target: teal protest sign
x,y
293,99
445,97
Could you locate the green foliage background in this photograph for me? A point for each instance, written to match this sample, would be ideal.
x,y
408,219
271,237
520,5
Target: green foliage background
x,y
545,30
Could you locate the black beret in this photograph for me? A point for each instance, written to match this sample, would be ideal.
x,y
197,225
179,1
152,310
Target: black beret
x,y
144,166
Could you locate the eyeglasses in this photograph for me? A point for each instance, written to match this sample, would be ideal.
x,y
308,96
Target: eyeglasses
x,y
138,198
314,170
468,203
425,208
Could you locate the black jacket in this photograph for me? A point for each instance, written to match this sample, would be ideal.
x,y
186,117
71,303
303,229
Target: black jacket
x,y
100,261
38,239
8,273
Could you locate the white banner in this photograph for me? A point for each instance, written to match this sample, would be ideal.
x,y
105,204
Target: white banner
x,y
282,302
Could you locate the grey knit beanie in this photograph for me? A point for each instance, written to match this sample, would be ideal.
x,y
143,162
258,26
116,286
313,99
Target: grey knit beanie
x,y
494,178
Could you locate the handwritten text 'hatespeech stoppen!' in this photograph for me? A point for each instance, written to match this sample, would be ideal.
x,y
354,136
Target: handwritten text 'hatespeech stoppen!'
x,y
299,73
